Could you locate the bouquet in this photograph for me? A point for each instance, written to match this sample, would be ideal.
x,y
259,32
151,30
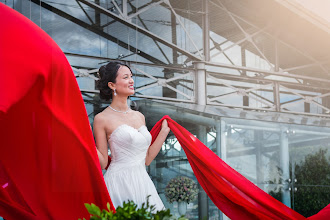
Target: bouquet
x,y
181,189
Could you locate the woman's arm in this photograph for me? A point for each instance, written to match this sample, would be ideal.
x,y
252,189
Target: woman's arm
x,y
157,145
101,140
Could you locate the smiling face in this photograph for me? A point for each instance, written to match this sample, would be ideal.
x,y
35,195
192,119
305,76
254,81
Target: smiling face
x,y
124,82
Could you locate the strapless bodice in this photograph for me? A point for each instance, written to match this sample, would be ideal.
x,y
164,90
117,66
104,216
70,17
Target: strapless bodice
x,y
126,177
128,146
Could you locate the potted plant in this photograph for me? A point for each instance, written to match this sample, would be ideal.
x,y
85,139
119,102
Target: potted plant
x,y
183,190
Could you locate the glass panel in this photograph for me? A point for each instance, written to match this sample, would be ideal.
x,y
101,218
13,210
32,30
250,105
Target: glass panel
x,y
310,164
290,162
172,162
254,151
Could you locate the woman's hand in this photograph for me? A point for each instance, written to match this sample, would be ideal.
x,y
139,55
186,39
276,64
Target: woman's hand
x,y
157,145
165,127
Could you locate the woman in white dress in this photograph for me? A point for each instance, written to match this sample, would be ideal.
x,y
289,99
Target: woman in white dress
x,y
129,140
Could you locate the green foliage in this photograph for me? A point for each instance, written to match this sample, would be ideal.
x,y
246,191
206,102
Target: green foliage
x,y
181,189
129,210
313,178
313,184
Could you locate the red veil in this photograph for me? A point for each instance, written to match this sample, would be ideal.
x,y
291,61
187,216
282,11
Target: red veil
x,y
231,192
48,162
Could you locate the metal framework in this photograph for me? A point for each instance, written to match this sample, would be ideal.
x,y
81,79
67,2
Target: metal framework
x,y
273,80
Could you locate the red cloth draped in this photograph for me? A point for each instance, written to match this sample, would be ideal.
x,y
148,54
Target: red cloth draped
x,y
324,214
231,192
48,163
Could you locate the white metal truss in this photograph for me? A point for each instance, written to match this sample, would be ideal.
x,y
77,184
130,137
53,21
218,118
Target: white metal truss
x,y
185,30
145,9
143,30
246,38
249,37
305,66
84,72
82,8
271,72
164,83
175,14
307,99
241,92
118,9
270,87
248,91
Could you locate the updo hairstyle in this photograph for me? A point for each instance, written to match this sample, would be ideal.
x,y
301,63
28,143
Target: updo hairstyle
x,y
108,73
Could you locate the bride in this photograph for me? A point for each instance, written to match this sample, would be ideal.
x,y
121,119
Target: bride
x,y
124,130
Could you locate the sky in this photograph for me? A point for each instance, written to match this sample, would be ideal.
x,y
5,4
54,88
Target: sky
x,y
318,7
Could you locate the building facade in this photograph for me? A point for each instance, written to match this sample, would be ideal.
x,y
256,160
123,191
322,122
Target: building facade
x,y
250,78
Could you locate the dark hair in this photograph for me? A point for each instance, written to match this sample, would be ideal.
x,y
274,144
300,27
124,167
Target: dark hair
x,y
108,73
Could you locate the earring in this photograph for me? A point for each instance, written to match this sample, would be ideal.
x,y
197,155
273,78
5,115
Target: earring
x,y
114,92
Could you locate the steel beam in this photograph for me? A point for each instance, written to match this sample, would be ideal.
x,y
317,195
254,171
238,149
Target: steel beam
x,y
138,28
156,42
144,9
289,75
96,30
250,39
271,36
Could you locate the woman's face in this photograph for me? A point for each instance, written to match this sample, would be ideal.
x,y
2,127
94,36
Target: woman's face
x,y
124,82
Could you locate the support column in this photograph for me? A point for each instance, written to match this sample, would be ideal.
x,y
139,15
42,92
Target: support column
x,y
276,89
206,30
223,139
200,94
307,107
174,36
276,92
259,139
200,77
243,73
200,83
219,138
125,8
97,15
203,204
284,164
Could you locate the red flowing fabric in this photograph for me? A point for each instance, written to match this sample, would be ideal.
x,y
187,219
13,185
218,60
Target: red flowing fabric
x,y
324,214
231,192
48,162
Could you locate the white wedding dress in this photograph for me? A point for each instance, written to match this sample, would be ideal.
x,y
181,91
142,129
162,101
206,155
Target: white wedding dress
x,y
126,178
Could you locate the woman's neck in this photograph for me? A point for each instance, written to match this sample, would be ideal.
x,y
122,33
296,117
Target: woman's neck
x,y
119,104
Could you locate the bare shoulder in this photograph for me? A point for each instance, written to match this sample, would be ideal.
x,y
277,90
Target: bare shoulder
x,y
138,117
139,114
100,118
